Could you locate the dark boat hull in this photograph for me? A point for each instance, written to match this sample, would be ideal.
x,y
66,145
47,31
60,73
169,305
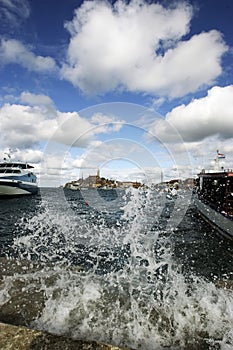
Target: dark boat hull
x,y
221,223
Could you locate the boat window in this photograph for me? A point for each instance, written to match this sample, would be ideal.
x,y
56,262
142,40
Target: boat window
x,y
213,191
9,171
16,165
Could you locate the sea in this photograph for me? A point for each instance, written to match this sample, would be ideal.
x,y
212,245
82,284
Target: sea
x,y
136,268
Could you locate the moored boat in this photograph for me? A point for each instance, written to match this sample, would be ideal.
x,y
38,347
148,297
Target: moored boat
x,y
214,199
17,179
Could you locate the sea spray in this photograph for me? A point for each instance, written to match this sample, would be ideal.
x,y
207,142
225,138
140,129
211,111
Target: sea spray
x,y
130,290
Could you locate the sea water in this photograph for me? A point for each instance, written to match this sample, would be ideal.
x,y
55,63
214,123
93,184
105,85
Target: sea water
x,y
135,268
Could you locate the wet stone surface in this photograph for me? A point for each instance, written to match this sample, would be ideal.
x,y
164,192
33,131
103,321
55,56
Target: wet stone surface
x,y
21,338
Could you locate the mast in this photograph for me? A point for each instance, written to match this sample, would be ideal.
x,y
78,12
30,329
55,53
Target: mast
x,y
218,156
161,176
216,162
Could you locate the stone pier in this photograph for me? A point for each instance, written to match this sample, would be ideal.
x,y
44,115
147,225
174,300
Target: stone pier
x,y
22,338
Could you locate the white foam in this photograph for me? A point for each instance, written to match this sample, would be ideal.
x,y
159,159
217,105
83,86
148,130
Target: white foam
x,y
147,302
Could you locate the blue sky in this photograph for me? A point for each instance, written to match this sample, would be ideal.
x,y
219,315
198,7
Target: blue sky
x,y
133,88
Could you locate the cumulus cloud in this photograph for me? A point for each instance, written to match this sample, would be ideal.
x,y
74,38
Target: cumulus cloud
x,y
138,47
25,126
13,12
203,153
201,118
36,99
110,123
29,155
13,51
117,154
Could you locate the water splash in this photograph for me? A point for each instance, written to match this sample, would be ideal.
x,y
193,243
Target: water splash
x,y
130,290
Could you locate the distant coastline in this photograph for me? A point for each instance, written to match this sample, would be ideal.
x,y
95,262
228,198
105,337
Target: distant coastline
x,y
96,181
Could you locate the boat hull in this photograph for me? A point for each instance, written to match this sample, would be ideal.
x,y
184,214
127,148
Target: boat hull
x,y
222,224
16,188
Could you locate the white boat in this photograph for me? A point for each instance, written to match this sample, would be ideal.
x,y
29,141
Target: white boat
x,y
214,200
16,179
74,187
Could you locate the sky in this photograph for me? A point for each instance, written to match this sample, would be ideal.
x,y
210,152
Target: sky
x,y
136,89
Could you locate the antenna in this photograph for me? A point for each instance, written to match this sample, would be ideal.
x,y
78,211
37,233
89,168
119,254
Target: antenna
x,y
216,162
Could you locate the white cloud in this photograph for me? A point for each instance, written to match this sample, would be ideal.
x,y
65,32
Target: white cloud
x,y
72,130
201,118
29,155
189,66
108,123
204,152
24,126
36,100
13,51
148,175
137,47
116,156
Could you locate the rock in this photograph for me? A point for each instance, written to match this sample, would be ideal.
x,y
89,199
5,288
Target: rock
x,y
21,338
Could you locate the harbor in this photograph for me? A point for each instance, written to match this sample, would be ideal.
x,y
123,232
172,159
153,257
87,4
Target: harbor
x,y
91,273
116,175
